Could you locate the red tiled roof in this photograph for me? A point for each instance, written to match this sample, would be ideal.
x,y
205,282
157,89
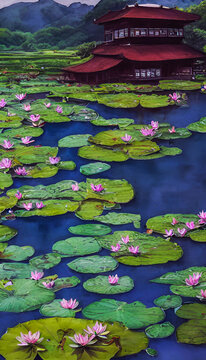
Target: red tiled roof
x,y
97,63
149,52
147,12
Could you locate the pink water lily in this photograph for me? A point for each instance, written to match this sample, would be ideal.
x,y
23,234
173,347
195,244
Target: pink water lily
x,y
10,114
18,195
39,205
169,232
27,107
59,110
35,275
193,279
21,171
113,280
174,96
98,330
35,118
174,221
20,96
97,188
126,138
54,160
7,144
155,125
203,294
2,103
27,140
147,131
134,250
69,304
27,206
47,105
202,216
82,340
75,187
48,285
125,239
172,131
28,339
5,163
182,232
190,225
116,248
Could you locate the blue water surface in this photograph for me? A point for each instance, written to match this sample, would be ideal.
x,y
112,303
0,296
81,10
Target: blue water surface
x,y
167,185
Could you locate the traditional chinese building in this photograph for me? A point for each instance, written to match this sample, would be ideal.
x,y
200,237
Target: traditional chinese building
x,y
141,42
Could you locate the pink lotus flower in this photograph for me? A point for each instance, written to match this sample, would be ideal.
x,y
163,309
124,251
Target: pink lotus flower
x,y
81,340
125,239
169,232
54,160
174,96
48,285
35,118
39,205
27,339
27,107
75,187
5,163
116,248
172,131
97,188
59,110
182,232
191,225
36,275
174,221
27,206
194,279
27,140
18,195
21,171
203,294
113,280
147,131
20,96
134,250
2,103
7,144
47,105
98,330
155,125
71,304
126,138
202,216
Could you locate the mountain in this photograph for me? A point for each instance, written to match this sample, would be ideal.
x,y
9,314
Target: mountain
x,y
32,17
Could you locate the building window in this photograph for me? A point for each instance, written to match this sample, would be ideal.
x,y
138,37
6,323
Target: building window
x,y
144,32
137,73
147,73
108,36
116,34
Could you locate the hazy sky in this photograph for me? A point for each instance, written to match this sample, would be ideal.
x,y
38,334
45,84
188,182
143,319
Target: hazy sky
x,y
4,3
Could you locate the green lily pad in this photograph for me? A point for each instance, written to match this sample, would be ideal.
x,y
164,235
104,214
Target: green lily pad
x,y
134,316
112,122
199,126
65,282
45,261
164,151
199,235
76,246
94,152
51,208
179,85
15,270
43,171
93,264
24,131
188,291
101,285
178,277
94,168
6,233
192,311
89,209
180,133
115,218
55,309
30,154
154,101
90,230
192,332
66,165
9,121
114,137
128,100
5,180
17,253
151,352
73,141
168,301
160,331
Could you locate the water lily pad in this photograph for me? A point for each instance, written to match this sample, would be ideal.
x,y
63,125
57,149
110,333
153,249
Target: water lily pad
x,y
15,270
180,133
135,315
30,154
101,285
73,141
7,202
199,235
151,352
179,85
114,137
6,233
51,208
43,171
17,253
45,261
168,301
199,126
164,151
192,332
5,180
128,100
89,209
154,101
192,311
160,331
178,277
24,131
115,218
65,282
66,165
94,152
90,229
93,264
94,168
112,122
55,309
76,246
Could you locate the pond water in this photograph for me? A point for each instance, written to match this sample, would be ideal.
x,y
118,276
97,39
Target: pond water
x,y
171,184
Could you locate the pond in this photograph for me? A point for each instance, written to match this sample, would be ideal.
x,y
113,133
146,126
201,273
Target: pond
x,y
166,185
